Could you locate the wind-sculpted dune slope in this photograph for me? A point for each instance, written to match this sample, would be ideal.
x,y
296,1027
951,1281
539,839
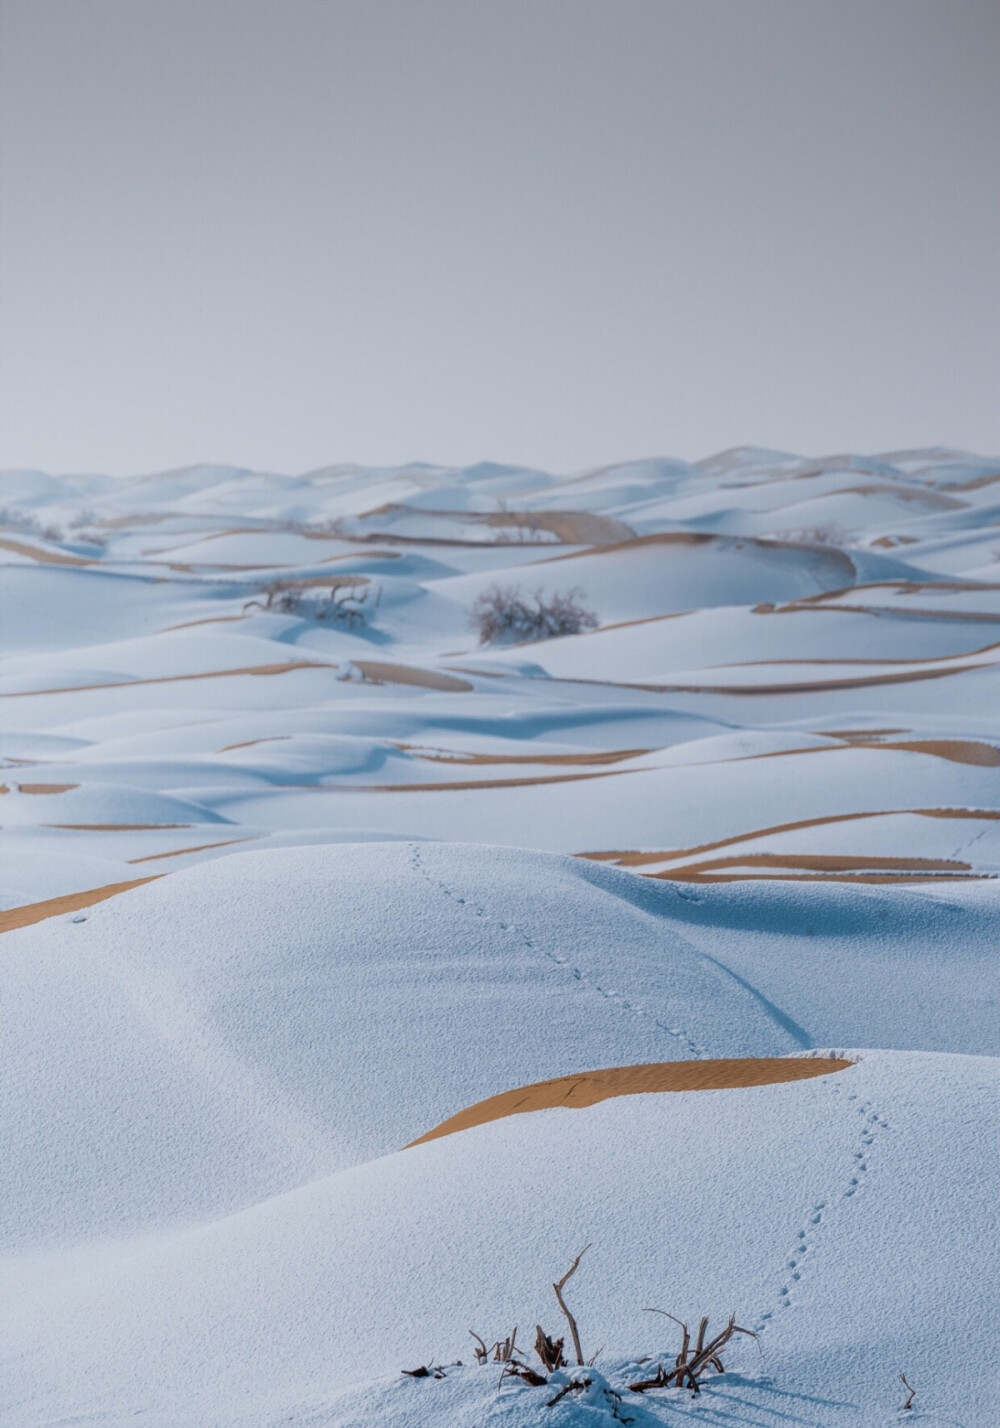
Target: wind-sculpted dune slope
x,y
293,657
804,1205
296,871
284,1013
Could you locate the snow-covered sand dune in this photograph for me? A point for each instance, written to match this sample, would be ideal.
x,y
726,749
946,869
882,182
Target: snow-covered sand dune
x,y
286,884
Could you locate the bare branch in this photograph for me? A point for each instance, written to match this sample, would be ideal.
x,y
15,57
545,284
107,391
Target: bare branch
x,y
686,1371
562,1304
665,1315
661,1380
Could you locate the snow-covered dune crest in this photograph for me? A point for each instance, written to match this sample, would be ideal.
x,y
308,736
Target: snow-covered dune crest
x,y
295,867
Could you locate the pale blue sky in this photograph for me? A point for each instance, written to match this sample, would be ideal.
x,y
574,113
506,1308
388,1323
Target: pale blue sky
x,y
291,232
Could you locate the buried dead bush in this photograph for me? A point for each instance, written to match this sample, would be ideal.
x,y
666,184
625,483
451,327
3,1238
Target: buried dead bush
x,y
505,615
692,1363
345,603
555,1372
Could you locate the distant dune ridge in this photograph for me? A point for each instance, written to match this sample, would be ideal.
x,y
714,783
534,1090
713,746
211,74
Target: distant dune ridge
x,y
356,974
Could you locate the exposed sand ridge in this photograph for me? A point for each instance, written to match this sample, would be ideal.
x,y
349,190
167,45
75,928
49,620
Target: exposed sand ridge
x,y
586,1088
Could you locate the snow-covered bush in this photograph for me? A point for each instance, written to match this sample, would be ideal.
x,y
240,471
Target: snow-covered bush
x,y
17,520
831,534
504,615
345,604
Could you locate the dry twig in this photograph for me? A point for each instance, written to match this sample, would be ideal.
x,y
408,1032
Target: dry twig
x,y
562,1304
688,1370
549,1351
911,1395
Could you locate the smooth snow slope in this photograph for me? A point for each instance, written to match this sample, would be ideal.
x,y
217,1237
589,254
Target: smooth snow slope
x,y
270,1017
851,1238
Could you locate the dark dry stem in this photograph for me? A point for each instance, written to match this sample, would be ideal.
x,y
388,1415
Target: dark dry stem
x,y
562,1305
688,1370
912,1393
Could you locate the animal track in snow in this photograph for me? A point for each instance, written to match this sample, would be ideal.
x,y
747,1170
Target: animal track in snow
x,y
696,1052
810,1236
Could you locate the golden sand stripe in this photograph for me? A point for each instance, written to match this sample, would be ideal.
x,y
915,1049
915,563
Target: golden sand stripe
x,y
117,827
32,912
384,673
43,557
463,759
284,668
587,1088
631,858
47,787
822,863
199,848
813,686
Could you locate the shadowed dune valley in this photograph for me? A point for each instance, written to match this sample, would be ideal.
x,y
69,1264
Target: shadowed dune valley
x,y
484,949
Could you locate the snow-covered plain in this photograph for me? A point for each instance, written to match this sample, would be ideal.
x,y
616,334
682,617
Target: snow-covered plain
x,y
280,892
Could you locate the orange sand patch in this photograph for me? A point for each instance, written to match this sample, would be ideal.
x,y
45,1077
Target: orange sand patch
x,y
119,523
895,611
350,554
284,668
568,527
443,756
538,779
631,858
249,743
630,624
810,686
976,484
47,787
43,557
934,500
835,556
930,659
587,1088
688,538
956,751
455,785
209,620
818,867
382,673
202,568
851,735
117,827
904,587
824,599
199,848
31,912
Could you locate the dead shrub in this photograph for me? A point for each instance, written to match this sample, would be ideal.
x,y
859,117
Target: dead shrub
x,y
911,1393
344,605
504,615
692,1364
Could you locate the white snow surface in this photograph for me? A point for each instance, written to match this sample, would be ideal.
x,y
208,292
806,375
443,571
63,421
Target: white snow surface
x,y
755,813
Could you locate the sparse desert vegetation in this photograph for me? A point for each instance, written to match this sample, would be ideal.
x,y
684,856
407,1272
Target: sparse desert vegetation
x,y
343,602
506,615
